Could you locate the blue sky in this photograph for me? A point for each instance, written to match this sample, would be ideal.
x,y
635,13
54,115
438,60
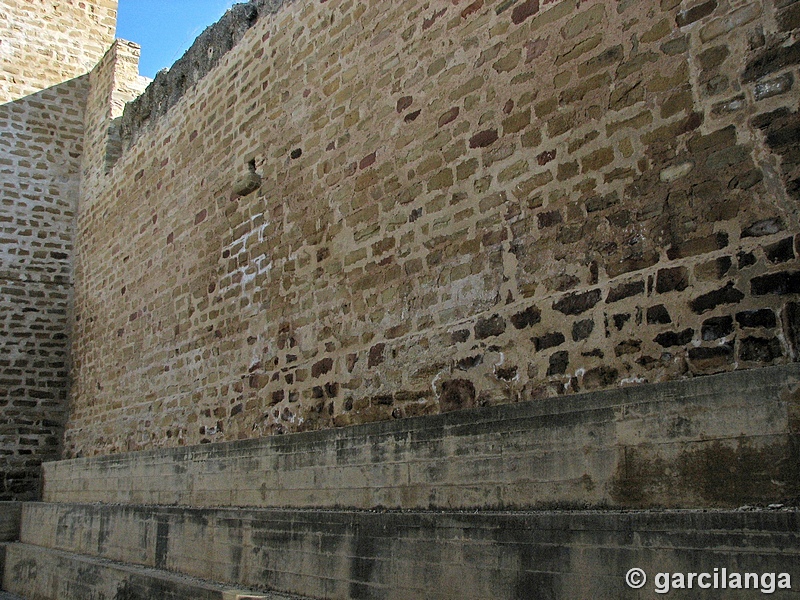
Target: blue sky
x,y
166,28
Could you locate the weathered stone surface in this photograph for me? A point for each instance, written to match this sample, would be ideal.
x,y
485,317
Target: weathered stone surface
x,y
494,325
414,205
770,61
575,304
602,538
687,17
457,394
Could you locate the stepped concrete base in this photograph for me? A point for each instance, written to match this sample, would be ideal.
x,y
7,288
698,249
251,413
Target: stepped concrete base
x,y
10,521
341,555
717,441
10,515
45,574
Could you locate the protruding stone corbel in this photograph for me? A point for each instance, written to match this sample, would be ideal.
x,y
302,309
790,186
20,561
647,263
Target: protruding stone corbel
x,y
247,183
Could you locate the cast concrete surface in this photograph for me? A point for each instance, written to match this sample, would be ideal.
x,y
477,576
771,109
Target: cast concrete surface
x,y
679,444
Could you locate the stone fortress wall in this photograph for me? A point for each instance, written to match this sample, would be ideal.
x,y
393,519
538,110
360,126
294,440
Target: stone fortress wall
x,y
344,213
47,49
371,211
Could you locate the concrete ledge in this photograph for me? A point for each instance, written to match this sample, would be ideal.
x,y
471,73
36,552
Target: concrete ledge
x,y
433,555
45,574
718,441
3,546
10,515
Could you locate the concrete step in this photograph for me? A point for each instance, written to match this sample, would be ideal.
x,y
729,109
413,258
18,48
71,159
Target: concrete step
x,y
10,515
10,521
678,444
432,555
45,574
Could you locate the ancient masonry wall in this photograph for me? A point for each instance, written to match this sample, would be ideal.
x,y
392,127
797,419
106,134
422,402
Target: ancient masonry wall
x,y
371,211
46,51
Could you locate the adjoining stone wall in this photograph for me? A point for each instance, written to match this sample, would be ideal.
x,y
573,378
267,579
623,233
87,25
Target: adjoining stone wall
x,y
368,212
47,42
46,51
40,155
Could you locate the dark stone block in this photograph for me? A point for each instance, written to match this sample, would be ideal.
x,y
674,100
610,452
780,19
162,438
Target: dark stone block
x,y
462,335
321,367
558,363
376,355
722,138
658,315
625,290
582,329
791,326
668,280
756,318
789,18
457,394
494,325
785,282
526,318
575,304
506,374
765,120
711,360
716,241
770,61
601,202
760,350
726,295
548,219
669,339
600,377
483,139
746,180
716,328
469,362
620,320
524,11
627,347
780,251
548,340
687,17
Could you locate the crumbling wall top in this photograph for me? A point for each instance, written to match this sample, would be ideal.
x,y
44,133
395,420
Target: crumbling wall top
x,y
171,84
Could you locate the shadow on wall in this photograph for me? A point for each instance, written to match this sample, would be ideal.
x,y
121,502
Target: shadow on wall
x,y
40,161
